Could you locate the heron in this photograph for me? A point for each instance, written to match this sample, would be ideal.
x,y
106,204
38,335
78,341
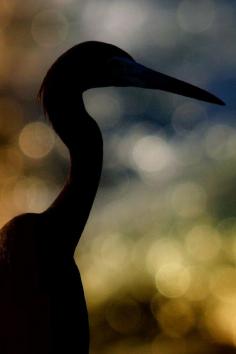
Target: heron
x,y
42,302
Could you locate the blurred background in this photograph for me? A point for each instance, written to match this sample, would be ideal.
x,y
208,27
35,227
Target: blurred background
x,y
158,254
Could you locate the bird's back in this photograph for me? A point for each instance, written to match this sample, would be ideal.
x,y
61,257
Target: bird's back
x,y
42,306
24,307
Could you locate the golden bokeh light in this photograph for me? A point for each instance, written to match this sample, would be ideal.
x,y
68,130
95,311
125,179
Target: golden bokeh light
x,y
31,195
220,321
99,283
173,280
223,284
198,289
114,252
203,243
36,140
161,252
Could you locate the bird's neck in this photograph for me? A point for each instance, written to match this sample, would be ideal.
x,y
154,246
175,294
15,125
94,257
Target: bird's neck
x,y
71,208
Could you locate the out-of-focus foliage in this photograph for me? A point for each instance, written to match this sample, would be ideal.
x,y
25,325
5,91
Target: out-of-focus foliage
x,y
158,255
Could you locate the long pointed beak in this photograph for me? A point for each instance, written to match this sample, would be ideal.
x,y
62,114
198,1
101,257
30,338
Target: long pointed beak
x,y
137,75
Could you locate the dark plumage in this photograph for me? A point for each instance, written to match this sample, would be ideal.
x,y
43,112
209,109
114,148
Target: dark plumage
x,y
42,304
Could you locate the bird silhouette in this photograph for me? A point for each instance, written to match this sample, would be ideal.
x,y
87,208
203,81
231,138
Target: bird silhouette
x,y
42,302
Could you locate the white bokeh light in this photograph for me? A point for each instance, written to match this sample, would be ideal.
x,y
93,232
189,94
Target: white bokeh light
x,y
119,22
152,154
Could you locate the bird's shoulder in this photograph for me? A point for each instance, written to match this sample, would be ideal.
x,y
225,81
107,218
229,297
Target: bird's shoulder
x,y
16,235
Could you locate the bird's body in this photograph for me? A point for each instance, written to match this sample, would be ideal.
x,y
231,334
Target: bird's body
x,y
42,303
42,307
42,300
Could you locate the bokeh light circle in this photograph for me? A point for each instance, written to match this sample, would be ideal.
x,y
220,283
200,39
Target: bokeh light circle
x,y
152,154
203,243
173,280
196,16
31,194
36,140
223,284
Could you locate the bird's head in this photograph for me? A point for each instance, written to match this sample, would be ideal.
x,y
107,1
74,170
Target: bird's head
x,y
96,64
